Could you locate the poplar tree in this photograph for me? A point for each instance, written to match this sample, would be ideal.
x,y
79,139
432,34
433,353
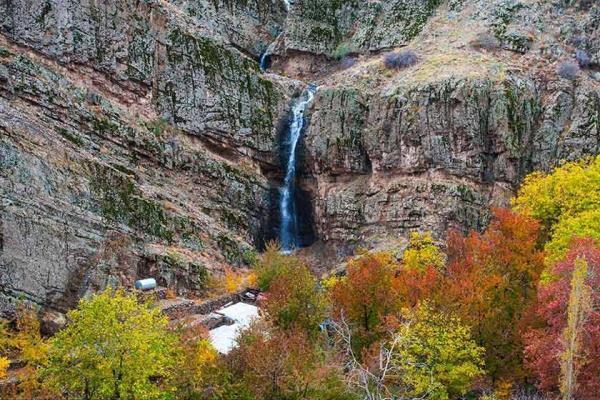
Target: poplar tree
x,y
577,311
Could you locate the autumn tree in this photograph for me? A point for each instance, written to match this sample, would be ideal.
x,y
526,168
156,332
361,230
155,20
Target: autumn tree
x,y
274,262
202,373
113,348
25,343
429,355
367,296
422,252
294,300
285,364
566,201
490,280
561,331
578,308
4,363
435,355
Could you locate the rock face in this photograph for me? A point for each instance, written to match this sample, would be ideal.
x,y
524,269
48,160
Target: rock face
x,y
435,156
132,144
433,146
330,27
139,138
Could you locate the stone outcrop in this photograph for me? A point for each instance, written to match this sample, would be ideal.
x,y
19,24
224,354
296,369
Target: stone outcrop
x,y
433,146
354,26
435,155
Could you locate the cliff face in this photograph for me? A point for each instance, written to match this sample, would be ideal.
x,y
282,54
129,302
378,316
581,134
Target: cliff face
x,y
132,143
434,145
141,139
436,155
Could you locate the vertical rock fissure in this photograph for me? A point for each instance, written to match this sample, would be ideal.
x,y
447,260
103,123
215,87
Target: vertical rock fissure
x,y
289,235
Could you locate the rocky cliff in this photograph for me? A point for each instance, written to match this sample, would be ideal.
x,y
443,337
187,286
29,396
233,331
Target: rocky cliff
x,y
140,138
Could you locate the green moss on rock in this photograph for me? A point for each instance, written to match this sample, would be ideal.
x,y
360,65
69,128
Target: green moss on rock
x,y
121,201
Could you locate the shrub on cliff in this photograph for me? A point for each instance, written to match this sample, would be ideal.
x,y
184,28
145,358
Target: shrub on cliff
x,y
341,51
485,41
583,58
567,70
400,60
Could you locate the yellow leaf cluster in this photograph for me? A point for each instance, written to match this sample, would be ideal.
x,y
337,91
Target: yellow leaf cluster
x,y
422,252
4,363
566,201
436,355
233,281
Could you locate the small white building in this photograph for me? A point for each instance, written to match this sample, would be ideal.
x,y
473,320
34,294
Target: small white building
x,y
224,337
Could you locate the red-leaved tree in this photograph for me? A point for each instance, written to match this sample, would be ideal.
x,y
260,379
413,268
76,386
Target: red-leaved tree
x,y
544,340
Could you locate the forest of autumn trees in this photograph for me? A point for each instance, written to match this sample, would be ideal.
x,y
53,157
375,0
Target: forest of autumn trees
x,y
511,311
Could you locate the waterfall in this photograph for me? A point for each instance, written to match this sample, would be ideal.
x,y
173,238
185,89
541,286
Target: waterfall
x,y
266,56
288,233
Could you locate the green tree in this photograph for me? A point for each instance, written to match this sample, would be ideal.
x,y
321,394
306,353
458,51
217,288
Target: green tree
x,y
294,300
435,355
113,348
273,263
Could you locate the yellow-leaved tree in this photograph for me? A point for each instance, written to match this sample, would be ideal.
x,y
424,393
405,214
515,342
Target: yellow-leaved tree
x,y
112,348
26,344
422,252
4,363
566,202
434,355
580,304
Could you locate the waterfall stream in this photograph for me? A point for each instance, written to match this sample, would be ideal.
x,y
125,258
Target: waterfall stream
x,y
289,233
265,58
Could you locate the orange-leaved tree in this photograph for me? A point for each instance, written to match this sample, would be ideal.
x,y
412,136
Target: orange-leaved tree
x,y
490,279
367,297
274,363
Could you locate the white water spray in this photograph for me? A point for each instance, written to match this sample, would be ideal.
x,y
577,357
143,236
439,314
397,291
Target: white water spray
x,y
289,233
264,59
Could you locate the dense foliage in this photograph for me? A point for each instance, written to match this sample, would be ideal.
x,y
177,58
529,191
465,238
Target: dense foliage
x,y
436,356
544,338
483,315
113,348
566,202
491,278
